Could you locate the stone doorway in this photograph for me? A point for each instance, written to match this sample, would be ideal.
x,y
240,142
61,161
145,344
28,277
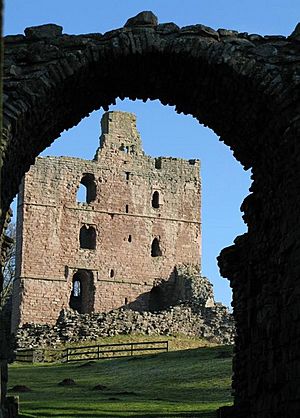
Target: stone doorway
x,y
82,296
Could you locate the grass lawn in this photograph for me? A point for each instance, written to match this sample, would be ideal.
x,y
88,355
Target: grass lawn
x,y
186,383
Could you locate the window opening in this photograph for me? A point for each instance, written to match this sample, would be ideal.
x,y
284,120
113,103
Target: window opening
x,y
127,175
126,301
155,200
112,273
126,208
124,148
158,163
81,194
129,238
86,192
76,288
155,249
87,237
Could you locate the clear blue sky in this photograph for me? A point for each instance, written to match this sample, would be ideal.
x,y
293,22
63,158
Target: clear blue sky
x,y
225,184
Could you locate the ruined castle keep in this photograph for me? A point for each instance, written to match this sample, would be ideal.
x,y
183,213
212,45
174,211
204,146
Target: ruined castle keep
x,y
140,218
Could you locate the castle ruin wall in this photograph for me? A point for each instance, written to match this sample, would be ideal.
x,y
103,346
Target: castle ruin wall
x,y
140,219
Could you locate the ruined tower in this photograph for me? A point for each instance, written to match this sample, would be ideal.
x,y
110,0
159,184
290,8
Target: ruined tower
x,y
139,219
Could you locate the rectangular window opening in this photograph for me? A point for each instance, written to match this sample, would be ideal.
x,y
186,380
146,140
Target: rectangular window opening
x,y
158,163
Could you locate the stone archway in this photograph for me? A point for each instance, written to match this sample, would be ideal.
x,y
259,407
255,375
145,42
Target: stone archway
x,y
246,88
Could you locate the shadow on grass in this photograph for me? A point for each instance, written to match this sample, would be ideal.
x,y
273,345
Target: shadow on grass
x,y
65,412
153,375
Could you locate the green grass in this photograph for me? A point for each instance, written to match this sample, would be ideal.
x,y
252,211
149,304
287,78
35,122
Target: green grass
x,y
187,383
176,342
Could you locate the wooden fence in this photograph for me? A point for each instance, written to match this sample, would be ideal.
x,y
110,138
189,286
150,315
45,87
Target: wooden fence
x,y
38,355
108,351
92,352
25,355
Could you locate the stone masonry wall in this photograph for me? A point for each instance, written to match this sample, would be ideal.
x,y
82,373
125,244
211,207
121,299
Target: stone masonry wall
x,y
122,181
185,305
40,301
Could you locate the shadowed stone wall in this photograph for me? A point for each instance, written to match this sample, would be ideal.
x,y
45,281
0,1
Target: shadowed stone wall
x,y
246,88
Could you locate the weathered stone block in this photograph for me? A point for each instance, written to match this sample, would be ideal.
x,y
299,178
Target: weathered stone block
x,y
146,18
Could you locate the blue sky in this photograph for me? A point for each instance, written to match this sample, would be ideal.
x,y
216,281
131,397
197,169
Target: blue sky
x,y
163,132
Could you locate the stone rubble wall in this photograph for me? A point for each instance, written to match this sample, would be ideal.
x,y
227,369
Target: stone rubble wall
x,y
214,324
185,305
185,286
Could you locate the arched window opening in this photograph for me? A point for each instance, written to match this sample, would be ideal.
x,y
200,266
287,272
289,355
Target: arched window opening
x,y
155,249
87,237
155,200
129,238
83,292
112,273
87,189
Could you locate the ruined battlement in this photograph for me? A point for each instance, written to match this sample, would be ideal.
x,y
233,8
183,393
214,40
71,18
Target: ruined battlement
x,y
139,218
119,133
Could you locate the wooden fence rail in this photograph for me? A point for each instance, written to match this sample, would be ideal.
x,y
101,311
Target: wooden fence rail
x,y
92,352
25,355
108,351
